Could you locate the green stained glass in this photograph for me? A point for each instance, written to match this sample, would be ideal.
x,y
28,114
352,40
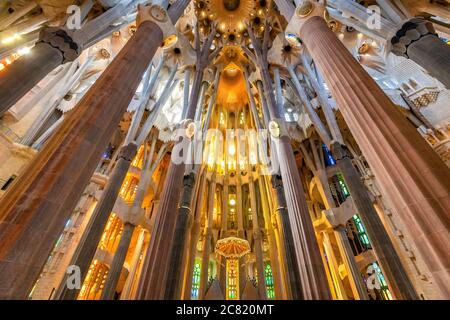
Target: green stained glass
x,y
269,282
343,185
361,231
384,287
195,281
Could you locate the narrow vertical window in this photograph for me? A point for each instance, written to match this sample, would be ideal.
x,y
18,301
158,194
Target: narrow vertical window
x,y
195,281
269,282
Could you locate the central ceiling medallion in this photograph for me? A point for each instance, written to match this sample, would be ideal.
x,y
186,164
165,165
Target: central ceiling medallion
x,y
231,5
229,16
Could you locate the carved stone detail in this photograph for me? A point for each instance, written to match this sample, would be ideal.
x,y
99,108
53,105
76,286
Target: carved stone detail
x,y
411,31
63,40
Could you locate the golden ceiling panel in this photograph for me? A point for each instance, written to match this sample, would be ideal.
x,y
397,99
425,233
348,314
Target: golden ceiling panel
x,y
231,17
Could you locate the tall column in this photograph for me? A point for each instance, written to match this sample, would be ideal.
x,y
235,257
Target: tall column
x,y
88,245
257,239
174,274
207,241
273,250
115,269
417,40
126,292
291,267
155,273
195,233
35,209
334,267
391,265
356,282
311,269
410,173
132,217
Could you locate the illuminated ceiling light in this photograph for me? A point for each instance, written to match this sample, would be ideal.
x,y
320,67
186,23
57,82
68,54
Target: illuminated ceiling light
x,y
24,51
232,202
232,149
11,39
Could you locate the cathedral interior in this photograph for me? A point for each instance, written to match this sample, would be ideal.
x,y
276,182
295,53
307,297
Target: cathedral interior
x,y
224,150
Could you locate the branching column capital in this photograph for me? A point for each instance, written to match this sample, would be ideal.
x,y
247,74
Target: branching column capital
x,y
411,31
63,40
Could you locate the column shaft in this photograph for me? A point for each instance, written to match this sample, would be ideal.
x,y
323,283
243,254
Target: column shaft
x,y
115,270
356,282
391,265
36,208
21,76
312,274
175,274
410,173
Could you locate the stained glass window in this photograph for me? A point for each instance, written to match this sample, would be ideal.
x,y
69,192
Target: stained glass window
x,y
329,160
361,231
195,281
232,279
269,282
338,188
343,185
386,294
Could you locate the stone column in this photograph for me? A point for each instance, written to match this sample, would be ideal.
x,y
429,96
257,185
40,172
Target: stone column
x,y
186,84
356,282
152,284
207,241
115,269
391,265
195,233
273,250
125,295
410,173
311,269
334,267
291,267
418,41
88,245
257,239
35,209
174,274
133,215
22,75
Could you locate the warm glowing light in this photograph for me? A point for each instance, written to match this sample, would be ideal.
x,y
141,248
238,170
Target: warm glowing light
x,y
24,51
11,39
232,202
232,149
